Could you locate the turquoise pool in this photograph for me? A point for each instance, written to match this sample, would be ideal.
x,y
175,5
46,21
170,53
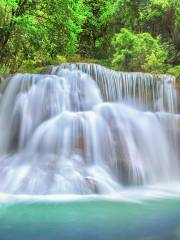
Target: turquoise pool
x,y
91,219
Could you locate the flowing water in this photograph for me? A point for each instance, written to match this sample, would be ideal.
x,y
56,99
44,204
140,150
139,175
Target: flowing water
x,y
83,130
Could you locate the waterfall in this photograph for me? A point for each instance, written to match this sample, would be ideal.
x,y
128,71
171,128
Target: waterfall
x,y
84,129
156,92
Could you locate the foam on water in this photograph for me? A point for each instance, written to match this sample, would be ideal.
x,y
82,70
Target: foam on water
x,y
138,195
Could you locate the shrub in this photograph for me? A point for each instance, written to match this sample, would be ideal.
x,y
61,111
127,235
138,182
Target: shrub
x,y
138,52
175,71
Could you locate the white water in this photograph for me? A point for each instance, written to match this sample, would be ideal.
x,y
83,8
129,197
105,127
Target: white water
x,y
155,92
72,134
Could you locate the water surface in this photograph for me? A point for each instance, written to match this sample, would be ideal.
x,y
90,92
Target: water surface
x,y
91,219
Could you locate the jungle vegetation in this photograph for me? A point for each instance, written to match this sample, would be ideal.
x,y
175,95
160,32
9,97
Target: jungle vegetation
x,y
127,35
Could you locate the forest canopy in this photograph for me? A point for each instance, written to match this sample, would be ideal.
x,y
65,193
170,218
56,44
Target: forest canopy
x,y
128,35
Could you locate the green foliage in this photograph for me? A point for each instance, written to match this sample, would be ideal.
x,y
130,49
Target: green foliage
x,y
162,17
175,71
96,30
158,17
138,52
59,59
145,33
38,30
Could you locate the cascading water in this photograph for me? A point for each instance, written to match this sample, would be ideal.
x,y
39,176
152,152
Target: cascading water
x,y
155,92
83,129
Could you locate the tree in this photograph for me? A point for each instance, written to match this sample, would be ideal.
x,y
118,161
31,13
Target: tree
x,y
43,32
138,52
161,17
32,30
96,31
158,17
